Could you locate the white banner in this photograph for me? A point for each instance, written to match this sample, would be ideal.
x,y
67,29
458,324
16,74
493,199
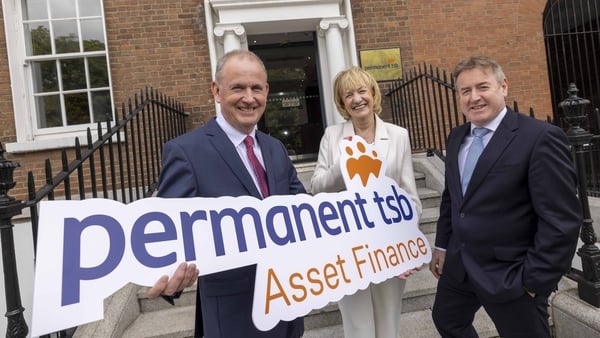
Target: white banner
x,y
309,250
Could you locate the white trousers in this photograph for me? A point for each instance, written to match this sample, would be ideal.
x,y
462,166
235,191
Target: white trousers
x,y
373,312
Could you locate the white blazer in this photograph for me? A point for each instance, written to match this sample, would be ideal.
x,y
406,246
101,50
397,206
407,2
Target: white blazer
x,y
391,142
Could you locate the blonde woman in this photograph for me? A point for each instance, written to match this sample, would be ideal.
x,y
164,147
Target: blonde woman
x,y
375,311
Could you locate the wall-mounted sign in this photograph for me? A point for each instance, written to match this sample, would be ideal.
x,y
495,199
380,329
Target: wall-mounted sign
x,y
383,64
290,102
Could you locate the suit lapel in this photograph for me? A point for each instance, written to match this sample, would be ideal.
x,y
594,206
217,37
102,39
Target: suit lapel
x,y
452,166
227,150
502,137
382,139
347,130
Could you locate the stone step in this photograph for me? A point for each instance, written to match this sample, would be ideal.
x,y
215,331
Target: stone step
x,y
188,297
416,324
428,221
325,317
420,179
419,324
173,322
429,198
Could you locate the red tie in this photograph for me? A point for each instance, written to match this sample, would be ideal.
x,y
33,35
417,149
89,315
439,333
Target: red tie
x,y
261,175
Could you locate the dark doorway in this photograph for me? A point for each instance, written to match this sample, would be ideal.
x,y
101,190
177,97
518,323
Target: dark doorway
x,y
293,113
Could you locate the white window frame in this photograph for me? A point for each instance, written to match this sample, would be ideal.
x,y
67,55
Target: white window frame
x,y
29,137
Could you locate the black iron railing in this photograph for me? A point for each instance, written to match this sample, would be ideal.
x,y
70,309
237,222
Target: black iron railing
x,y
121,163
581,140
424,102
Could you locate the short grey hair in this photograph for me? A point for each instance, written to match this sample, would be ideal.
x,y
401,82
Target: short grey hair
x,y
484,62
233,54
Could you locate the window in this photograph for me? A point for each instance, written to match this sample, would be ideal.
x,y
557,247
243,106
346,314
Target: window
x,y
60,76
66,51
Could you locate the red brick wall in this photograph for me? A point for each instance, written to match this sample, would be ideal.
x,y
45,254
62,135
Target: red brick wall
x,y
163,44
442,32
383,24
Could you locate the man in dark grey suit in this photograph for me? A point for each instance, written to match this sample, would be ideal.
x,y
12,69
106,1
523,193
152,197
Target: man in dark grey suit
x,y
505,239
215,161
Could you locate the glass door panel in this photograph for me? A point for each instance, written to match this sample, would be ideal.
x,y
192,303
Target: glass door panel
x,y
293,113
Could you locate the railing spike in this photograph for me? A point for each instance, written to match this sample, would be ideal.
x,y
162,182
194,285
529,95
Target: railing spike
x,y
89,138
30,185
77,149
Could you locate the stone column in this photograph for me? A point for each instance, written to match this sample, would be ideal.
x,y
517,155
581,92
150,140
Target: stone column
x,y
332,30
230,36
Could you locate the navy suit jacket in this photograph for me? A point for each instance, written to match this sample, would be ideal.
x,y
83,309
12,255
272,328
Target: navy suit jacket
x,y
516,227
204,163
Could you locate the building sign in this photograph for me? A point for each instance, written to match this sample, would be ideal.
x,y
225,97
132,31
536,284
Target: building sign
x,y
383,64
288,102
309,250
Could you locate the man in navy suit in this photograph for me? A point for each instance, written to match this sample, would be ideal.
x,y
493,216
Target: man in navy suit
x,y
505,241
213,161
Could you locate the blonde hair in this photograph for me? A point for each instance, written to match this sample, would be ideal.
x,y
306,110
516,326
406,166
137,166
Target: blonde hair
x,y
352,79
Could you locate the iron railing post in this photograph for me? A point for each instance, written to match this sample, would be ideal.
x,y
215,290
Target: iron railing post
x,y
9,207
589,285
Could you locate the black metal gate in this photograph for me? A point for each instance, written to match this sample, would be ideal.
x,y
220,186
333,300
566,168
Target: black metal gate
x,y
572,38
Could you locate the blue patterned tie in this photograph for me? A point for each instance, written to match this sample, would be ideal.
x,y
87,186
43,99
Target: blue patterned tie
x,y
474,151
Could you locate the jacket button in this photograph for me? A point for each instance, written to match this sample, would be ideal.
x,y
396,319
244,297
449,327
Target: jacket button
x,y
462,215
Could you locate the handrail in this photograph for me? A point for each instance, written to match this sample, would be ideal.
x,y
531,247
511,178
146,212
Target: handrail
x,y
134,146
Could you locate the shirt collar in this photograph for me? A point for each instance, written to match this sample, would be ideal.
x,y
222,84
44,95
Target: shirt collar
x,y
493,124
235,136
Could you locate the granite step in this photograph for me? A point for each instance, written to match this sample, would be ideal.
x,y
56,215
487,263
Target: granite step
x,y
416,324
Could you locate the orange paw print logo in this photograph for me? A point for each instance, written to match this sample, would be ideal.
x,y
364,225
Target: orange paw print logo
x,y
362,164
